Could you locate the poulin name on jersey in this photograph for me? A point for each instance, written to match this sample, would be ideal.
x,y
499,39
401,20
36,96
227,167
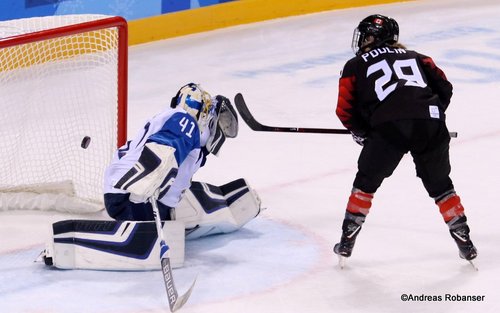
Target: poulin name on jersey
x,y
378,51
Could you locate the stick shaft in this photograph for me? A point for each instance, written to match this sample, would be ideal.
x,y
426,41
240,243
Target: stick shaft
x,y
250,120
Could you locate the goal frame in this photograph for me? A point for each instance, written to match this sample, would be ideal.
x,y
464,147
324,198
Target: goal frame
x,y
122,74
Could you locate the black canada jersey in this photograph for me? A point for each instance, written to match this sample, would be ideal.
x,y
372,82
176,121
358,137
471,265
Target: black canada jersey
x,y
390,83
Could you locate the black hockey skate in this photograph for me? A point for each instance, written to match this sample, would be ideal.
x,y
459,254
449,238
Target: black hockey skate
x,y
459,230
350,230
346,244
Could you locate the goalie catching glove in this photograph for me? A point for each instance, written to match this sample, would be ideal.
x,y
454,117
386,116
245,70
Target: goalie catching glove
x,y
223,124
155,170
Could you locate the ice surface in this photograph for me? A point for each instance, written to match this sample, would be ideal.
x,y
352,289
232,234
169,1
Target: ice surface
x,y
288,70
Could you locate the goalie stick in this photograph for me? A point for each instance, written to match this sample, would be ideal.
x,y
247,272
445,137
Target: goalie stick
x,y
255,125
174,300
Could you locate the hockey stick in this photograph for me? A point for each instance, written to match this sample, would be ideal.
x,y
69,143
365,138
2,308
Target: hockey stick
x,y
174,300
255,125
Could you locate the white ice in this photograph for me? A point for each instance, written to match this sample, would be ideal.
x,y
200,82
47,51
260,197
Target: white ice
x,y
288,70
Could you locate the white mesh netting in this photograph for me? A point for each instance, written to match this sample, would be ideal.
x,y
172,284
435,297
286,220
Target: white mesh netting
x,y
53,93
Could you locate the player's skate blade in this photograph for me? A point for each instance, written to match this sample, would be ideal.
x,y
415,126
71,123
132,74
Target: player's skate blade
x,y
342,253
473,265
342,260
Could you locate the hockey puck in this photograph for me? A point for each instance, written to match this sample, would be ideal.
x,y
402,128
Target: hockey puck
x,y
85,142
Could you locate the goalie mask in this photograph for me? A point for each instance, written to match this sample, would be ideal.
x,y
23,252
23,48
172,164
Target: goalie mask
x,y
195,101
223,124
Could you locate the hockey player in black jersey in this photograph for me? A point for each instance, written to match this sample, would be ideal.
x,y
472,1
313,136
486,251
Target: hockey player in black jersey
x,y
393,101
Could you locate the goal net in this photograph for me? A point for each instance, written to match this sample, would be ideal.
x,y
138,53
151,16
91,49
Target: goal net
x,y
62,78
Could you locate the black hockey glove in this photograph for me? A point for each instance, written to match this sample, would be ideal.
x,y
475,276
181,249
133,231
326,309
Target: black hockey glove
x,y
358,138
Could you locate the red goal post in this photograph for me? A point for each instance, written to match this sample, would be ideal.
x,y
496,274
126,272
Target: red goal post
x,y
62,78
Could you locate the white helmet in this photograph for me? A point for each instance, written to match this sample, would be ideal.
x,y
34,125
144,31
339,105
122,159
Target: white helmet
x,y
195,101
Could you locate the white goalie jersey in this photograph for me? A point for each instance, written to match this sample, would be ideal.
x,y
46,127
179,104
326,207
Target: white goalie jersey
x,y
172,128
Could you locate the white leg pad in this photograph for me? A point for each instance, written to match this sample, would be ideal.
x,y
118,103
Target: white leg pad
x,y
208,210
116,245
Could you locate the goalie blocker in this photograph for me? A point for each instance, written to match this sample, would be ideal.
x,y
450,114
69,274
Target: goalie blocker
x,y
130,245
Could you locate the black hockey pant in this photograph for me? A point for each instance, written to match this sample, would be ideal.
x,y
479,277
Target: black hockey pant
x,y
426,140
121,208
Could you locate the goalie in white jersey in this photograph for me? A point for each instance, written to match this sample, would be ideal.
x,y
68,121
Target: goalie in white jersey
x,y
158,165
163,157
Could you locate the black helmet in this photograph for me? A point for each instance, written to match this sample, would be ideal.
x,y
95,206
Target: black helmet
x,y
384,30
